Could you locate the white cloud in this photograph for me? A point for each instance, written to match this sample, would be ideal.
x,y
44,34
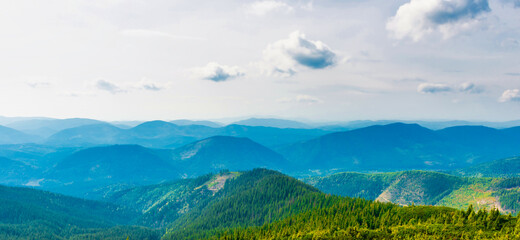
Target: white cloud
x,y
433,88
466,87
419,18
217,73
108,86
510,95
469,87
261,8
285,56
306,99
148,85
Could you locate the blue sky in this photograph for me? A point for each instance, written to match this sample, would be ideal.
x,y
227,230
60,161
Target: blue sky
x,y
317,60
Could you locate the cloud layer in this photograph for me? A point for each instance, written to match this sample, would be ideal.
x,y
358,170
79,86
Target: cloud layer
x,y
510,95
286,55
433,88
108,86
419,18
217,72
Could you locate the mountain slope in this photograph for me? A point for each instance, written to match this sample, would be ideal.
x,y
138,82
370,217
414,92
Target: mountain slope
x,y
425,188
14,172
12,136
94,168
262,204
270,136
376,147
162,204
89,135
401,146
33,214
508,167
220,152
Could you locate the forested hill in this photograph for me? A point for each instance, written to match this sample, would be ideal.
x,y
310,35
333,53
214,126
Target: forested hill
x,y
262,204
425,188
33,214
256,204
508,167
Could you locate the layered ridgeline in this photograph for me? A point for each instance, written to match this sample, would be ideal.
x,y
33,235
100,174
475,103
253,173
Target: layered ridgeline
x,y
94,171
425,188
161,134
86,173
257,204
389,147
33,214
12,136
401,146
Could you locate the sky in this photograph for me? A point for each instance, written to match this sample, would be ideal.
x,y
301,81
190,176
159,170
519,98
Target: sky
x,y
315,60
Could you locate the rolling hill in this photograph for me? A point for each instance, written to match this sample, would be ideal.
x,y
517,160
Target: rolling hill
x,y
425,188
221,152
401,146
12,136
89,135
86,171
33,214
508,167
14,172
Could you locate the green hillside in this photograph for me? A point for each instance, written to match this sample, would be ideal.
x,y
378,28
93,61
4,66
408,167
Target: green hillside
x,y
425,188
263,204
33,214
162,204
508,167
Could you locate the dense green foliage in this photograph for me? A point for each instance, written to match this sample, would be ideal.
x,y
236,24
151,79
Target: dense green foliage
x,y
425,188
162,204
33,214
361,219
368,186
508,167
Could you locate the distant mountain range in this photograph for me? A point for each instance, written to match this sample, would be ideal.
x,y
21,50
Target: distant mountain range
x,y
271,122
12,136
187,151
160,134
46,127
404,146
